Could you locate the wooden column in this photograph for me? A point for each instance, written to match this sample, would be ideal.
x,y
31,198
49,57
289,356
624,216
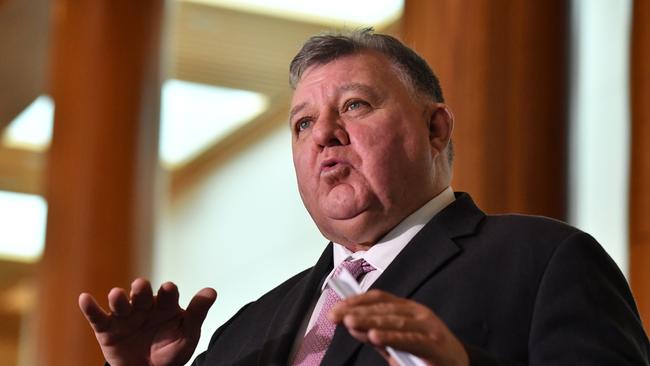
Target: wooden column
x,y
503,69
102,165
640,160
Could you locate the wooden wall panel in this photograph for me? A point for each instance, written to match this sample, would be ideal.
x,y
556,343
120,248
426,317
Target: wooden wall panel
x,y
24,45
503,69
640,160
102,165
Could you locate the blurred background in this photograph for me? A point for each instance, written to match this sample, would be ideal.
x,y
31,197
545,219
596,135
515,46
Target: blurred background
x,y
149,138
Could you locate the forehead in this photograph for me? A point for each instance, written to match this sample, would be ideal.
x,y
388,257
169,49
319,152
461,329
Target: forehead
x,y
371,69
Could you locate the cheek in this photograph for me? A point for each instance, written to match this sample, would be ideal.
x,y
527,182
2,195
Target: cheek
x,y
382,161
301,163
389,159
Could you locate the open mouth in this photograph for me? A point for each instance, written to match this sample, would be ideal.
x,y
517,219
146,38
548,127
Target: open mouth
x,y
330,164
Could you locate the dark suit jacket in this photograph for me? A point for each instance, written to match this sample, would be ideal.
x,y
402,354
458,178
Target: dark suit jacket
x,y
516,290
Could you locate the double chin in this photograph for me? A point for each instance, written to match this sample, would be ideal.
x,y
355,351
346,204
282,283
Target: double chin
x,y
344,201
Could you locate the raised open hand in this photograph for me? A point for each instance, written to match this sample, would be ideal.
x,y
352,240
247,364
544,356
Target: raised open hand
x,y
143,329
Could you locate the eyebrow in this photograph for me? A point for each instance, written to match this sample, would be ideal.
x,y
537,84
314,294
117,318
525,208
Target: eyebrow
x,y
358,87
343,88
295,110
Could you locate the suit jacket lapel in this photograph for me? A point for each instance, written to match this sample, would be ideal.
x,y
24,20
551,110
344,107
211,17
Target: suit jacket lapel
x,y
426,254
290,314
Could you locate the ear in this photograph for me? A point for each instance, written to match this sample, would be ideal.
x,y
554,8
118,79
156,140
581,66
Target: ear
x,y
441,125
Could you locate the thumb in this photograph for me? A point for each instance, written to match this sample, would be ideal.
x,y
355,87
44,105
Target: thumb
x,y
198,308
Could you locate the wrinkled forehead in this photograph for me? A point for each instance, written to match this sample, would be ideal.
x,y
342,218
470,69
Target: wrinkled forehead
x,y
370,66
363,71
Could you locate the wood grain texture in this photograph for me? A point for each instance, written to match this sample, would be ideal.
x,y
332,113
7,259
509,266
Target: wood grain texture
x,y
640,159
503,70
102,165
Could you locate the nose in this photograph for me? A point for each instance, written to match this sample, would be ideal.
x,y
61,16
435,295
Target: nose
x,y
329,131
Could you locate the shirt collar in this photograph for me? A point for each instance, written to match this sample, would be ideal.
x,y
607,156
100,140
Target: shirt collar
x,y
387,248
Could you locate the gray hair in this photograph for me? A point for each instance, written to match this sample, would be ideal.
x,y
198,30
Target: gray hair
x,y
327,47
323,48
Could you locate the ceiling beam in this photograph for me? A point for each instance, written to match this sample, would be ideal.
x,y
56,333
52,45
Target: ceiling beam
x,y
21,170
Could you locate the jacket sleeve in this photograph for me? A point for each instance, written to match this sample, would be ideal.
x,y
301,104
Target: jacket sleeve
x,y
584,311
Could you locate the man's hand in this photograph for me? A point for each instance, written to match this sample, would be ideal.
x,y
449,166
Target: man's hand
x,y
381,319
143,329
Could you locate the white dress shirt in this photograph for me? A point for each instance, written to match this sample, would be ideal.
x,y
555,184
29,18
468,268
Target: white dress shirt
x,y
381,254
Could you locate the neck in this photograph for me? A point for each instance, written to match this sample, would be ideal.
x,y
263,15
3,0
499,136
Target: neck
x,y
358,247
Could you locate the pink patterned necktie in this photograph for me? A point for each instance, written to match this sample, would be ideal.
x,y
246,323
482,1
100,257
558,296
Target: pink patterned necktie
x,y
318,338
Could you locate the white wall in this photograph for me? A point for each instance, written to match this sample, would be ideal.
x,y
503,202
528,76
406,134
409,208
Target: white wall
x,y
241,230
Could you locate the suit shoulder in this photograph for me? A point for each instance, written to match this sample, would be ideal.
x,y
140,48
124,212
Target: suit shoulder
x,y
528,227
284,287
526,238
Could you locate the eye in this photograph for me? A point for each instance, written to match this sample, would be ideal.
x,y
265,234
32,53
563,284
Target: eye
x,y
303,124
355,105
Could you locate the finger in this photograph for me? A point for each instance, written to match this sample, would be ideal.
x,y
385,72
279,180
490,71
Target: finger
x,y
141,294
403,308
167,297
199,306
99,320
385,322
118,302
371,297
417,343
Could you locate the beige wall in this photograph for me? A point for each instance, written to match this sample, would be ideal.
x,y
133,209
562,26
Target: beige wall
x,y
241,229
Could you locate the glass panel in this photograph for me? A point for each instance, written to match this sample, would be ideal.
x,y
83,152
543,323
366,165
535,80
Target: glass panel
x,y
600,122
195,116
22,224
32,128
340,12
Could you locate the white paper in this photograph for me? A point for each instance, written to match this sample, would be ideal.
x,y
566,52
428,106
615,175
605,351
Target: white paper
x,y
345,286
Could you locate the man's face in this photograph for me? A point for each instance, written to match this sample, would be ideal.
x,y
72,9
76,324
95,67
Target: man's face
x,y
363,148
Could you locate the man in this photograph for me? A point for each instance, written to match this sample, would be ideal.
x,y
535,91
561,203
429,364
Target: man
x,y
448,284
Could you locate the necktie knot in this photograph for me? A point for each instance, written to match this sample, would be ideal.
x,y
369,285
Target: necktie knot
x,y
357,268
